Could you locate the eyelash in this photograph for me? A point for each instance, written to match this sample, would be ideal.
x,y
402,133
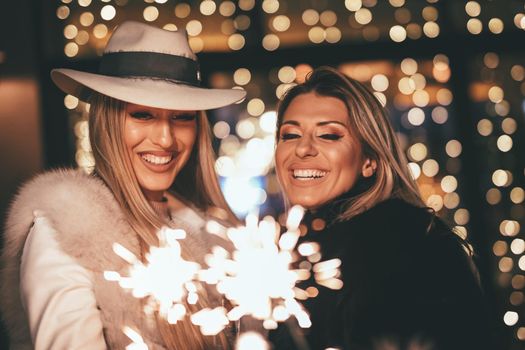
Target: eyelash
x,y
331,137
148,116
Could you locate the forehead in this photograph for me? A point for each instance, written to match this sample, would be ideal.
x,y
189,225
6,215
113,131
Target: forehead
x,y
313,108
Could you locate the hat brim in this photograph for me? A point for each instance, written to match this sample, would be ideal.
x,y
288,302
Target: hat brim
x,y
156,93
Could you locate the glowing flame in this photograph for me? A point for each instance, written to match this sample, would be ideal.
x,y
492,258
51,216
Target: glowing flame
x,y
165,277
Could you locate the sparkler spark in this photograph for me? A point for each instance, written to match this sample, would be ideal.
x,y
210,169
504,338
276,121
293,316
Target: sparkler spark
x,y
166,277
137,341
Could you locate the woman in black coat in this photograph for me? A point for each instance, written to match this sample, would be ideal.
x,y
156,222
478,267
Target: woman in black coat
x,y
408,280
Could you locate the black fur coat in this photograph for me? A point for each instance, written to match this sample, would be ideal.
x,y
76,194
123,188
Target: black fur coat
x,y
408,284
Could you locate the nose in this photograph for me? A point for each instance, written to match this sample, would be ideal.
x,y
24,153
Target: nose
x,y
162,133
306,147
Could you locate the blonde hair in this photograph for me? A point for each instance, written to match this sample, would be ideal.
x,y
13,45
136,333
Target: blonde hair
x,y
197,183
370,124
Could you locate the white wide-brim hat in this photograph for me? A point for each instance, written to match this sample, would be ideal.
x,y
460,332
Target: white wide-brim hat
x,y
148,66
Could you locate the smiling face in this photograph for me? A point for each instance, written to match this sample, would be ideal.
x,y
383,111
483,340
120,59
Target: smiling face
x,y
159,142
317,157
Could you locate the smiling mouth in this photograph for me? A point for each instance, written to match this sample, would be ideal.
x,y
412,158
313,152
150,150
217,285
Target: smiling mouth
x,y
156,160
308,174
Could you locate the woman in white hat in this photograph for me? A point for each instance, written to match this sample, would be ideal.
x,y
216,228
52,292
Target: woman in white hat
x,y
154,166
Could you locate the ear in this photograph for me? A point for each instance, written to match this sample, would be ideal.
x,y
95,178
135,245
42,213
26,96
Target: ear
x,y
369,167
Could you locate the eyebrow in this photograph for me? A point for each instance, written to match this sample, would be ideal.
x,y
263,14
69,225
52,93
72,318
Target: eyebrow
x,y
326,122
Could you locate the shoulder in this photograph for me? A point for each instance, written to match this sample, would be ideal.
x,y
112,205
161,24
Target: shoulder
x,y
78,206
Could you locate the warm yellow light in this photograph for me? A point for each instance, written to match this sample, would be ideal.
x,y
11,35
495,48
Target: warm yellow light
x,y
182,10
242,76
379,82
150,14
363,16
511,317
108,12
414,31
431,29
472,8
496,94
82,37
333,35
245,128
71,102
417,152
246,5
194,27
430,13
397,3
504,143
430,168
236,41
449,184
286,74
328,18
84,3
496,25
517,195
281,23
416,116
353,5
242,22
500,248
421,98
485,127
221,129
493,196
501,178
474,26
517,72
316,35
63,12
491,60
435,202
440,115
71,49
419,81
451,200
208,7
271,42
453,148
255,107
227,27
86,19
406,85
398,33
310,17
270,6
409,66
70,31
196,44
444,96
414,170
170,26
505,265
227,8
517,246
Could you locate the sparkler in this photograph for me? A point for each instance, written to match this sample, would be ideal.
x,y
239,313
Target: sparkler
x,y
258,277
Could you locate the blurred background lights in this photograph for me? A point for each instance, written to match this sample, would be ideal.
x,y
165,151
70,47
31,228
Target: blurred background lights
x,y
194,27
474,26
473,8
310,17
255,107
510,318
208,7
270,6
379,82
246,5
409,66
353,5
281,23
236,42
227,8
398,33
363,16
416,116
151,13
270,42
449,184
242,76
108,12
182,10
504,143
221,129
316,35
267,122
453,148
328,18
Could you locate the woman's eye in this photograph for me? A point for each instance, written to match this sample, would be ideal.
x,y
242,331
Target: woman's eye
x,y
184,117
141,115
289,136
332,137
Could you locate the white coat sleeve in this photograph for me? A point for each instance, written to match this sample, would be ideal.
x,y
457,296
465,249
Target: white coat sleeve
x,y
57,294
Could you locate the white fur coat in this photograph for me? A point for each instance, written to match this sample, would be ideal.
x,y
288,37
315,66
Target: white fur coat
x,y
88,220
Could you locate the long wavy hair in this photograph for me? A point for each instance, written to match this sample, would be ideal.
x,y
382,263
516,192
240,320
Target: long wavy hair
x,y
197,184
370,124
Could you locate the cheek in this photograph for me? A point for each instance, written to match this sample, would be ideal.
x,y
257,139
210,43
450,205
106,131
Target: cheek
x,y
133,134
279,158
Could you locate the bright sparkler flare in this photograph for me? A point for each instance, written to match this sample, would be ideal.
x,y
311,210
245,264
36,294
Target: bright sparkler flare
x,y
166,277
258,278
138,342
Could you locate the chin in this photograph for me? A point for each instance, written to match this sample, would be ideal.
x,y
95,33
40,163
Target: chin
x,y
307,202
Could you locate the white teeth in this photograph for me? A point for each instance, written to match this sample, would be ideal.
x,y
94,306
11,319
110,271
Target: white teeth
x,y
150,158
308,173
